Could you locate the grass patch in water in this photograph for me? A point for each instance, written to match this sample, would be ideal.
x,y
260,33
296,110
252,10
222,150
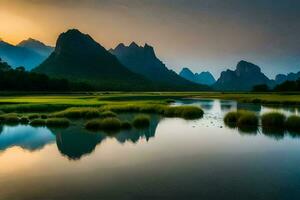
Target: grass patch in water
x,y
107,124
244,120
38,122
9,118
57,122
141,121
186,112
273,120
24,120
126,125
77,112
293,124
33,116
106,114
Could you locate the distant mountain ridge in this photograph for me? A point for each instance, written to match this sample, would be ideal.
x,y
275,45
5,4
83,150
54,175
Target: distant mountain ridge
x,y
28,53
280,78
205,78
78,57
143,60
36,46
243,78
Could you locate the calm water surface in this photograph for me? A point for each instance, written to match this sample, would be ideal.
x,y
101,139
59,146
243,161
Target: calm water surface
x,y
173,159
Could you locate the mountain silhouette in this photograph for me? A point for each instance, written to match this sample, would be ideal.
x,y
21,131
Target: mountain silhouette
x,y
78,57
20,56
142,60
205,78
36,46
243,78
280,78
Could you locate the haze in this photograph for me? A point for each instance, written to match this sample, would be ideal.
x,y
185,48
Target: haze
x,y
200,34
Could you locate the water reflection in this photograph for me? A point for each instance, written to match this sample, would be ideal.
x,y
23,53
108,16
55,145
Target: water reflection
x,y
73,142
25,136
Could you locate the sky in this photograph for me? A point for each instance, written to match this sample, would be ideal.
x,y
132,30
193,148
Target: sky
x,y
204,35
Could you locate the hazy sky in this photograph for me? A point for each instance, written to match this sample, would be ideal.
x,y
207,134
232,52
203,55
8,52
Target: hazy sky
x,y
201,34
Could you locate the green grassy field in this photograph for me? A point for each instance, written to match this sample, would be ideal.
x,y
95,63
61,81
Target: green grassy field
x,y
51,102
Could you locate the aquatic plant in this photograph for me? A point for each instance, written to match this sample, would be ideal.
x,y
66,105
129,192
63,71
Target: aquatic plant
x,y
186,112
24,120
9,118
108,124
57,122
141,121
126,125
33,116
44,116
273,119
38,122
108,114
77,112
245,120
91,113
293,123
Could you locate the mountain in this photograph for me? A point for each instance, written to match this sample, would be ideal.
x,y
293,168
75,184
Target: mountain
x,y
280,78
205,78
4,67
19,56
142,60
78,57
36,46
243,78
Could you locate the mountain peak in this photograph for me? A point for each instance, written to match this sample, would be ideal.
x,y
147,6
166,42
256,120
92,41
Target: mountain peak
x,y
134,45
205,78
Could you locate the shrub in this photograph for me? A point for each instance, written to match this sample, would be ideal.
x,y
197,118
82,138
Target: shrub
x,y
126,125
141,121
273,119
38,122
108,114
293,123
58,122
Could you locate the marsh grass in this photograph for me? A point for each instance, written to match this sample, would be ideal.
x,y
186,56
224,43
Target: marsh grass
x,y
141,121
106,124
44,116
33,116
57,122
38,122
9,118
246,121
126,125
293,124
186,112
24,120
78,112
273,120
108,114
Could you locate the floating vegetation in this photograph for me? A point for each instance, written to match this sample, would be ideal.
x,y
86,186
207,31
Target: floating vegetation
x,y
293,124
58,122
38,122
141,121
273,120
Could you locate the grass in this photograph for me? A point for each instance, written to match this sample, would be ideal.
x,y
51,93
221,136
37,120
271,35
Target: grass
x,y
186,112
24,120
273,120
293,124
108,114
10,118
107,124
78,112
141,121
33,116
57,122
38,122
242,119
126,125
